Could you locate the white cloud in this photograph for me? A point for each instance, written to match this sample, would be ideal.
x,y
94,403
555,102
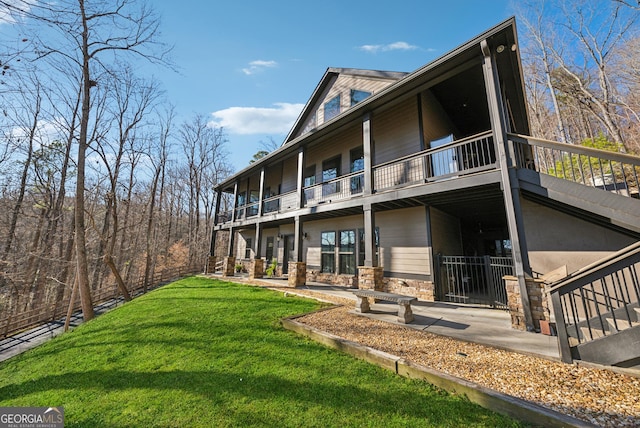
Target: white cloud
x,y
258,66
257,120
21,7
397,46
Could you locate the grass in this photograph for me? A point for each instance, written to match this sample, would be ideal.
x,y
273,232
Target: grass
x,y
205,353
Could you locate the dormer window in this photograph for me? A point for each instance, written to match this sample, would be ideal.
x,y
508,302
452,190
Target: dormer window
x,y
332,108
357,96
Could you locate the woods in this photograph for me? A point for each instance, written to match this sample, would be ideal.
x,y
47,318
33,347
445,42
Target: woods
x,y
101,183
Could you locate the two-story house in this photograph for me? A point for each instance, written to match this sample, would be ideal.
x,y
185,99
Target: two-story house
x,y
424,183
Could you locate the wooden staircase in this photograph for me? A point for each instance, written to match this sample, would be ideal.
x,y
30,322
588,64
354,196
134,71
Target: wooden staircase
x,y
597,311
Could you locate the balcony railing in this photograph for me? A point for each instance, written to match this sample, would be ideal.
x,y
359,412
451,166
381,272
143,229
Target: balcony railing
x,y
280,203
612,171
339,188
462,157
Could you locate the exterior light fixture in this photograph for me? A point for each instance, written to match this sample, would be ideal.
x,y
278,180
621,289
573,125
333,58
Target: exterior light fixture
x,y
500,48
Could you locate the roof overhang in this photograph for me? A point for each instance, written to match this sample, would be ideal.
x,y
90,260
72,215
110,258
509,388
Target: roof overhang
x,y
466,55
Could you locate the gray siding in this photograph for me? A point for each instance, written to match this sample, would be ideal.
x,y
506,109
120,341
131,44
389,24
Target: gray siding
x,y
445,233
403,241
396,132
555,239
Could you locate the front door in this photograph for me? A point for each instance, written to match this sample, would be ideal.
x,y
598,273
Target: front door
x,y
288,253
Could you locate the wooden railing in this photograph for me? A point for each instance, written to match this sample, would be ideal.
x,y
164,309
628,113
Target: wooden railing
x,y
11,323
612,171
598,300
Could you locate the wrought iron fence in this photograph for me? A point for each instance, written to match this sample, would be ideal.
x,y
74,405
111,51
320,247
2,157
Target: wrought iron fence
x,y
477,280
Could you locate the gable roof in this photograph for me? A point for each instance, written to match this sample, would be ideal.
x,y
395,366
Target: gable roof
x,y
325,85
508,68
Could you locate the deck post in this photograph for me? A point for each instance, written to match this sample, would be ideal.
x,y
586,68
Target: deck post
x,y
510,184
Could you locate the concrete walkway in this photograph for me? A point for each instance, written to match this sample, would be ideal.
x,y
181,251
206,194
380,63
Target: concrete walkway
x,y
471,323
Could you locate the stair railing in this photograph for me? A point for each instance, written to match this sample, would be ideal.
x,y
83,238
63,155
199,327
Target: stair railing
x,y
597,300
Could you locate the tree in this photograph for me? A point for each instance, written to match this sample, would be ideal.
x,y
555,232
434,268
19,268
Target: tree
x,y
86,36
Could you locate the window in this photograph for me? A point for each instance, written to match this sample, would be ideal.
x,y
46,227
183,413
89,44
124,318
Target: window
x,y
357,96
309,176
357,164
347,253
247,249
328,255
361,247
309,180
269,253
330,170
332,108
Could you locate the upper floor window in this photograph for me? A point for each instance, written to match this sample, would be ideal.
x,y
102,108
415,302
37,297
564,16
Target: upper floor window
x,y
331,169
357,96
332,108
309,176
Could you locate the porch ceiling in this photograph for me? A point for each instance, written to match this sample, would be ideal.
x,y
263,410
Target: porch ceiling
x,y
480,204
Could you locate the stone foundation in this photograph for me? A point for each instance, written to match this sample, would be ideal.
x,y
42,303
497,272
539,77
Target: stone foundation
x,y
370,278
422,289
211,264
538,302
229,266
350,281
256,268
297,274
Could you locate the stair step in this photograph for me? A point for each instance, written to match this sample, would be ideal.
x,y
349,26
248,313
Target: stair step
x,y
595,333
621,325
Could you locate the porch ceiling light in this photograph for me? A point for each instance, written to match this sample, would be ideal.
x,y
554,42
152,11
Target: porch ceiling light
x,y
500,48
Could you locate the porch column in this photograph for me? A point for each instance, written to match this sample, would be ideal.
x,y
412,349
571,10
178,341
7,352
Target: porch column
x,y
235,201
217,210
367,148
300,179
257,245
212,244
261,192
297,240
510,184
370,259
231,242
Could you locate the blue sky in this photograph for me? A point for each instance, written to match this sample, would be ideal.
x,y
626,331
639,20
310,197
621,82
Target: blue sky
x,y
252,65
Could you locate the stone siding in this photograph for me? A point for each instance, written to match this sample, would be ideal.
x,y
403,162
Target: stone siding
x,y
421,289
297,274
538,302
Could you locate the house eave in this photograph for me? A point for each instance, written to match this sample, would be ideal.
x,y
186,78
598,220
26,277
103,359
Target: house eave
x,y
469,51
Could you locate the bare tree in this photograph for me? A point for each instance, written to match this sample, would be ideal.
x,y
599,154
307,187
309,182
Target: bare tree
x,y
87,36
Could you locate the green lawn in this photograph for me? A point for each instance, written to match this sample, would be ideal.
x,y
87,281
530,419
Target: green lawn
x,y
205,353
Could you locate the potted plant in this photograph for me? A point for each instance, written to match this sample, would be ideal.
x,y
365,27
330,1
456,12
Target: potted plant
x,y
271,269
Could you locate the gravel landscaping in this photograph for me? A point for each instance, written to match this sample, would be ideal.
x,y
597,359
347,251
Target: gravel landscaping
x,y
599,396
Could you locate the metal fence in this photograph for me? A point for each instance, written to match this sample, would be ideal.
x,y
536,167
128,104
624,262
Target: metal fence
x,y
476,280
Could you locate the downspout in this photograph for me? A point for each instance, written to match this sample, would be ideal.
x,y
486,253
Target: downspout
x,y
510,184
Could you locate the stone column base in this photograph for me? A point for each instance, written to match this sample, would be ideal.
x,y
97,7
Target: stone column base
x,y
256,270
537,302
370,278
211,264
297,274
229,266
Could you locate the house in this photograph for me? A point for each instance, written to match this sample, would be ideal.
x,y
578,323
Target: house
x,y
427,184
